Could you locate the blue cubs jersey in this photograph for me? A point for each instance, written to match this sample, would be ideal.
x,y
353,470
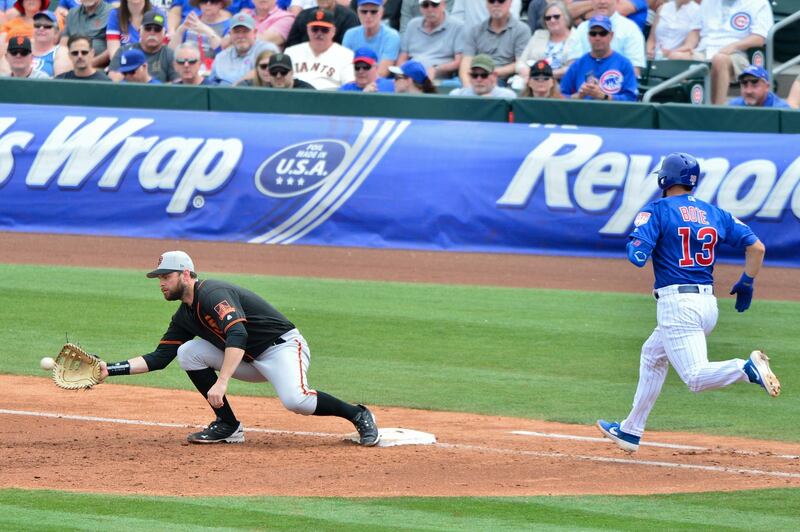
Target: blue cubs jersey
x,y
614,74
684,232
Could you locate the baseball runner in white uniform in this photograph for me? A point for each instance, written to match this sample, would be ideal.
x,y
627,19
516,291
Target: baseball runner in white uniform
x,y
680,233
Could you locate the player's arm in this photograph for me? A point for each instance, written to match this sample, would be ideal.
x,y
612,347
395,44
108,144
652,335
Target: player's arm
x,y
641,240
226,309
754,258
638,252
165,353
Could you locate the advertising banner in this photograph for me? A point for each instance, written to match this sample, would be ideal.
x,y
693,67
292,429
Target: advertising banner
x,y
370,182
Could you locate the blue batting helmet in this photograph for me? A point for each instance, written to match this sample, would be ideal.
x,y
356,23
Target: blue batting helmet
x,y
678,169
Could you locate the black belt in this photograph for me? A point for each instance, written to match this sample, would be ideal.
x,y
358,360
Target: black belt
x,y
278,341
685,289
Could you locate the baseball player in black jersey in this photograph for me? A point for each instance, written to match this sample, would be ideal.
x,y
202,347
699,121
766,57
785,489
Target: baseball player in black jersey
x,y
226,328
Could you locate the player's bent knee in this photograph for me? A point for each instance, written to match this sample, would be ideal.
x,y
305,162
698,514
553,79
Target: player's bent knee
x,y
304,404
694,383
189,356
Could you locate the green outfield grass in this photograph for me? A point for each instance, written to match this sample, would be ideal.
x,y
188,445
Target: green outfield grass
x,y
753,510
556,355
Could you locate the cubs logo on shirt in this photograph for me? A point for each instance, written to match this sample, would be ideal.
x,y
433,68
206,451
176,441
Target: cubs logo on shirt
x,y
611,81
741,21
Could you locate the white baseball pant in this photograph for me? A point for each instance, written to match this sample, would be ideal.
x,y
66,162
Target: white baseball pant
x,y
684,321
284,365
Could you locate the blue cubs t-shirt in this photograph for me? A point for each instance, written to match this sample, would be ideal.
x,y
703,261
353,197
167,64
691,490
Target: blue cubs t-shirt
x,y
383,84
684,232
614,74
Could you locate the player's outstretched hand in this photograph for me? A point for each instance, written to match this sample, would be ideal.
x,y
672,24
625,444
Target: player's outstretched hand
x,y
744,292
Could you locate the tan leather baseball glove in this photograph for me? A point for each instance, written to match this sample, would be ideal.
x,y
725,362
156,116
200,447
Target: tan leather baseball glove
x,y
75,368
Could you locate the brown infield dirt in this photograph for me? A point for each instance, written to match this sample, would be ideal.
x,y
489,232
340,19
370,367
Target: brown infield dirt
x,y
55,439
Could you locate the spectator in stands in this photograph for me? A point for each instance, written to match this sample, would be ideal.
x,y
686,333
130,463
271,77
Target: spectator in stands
x,y
48,54
63,7
344,18
259,76
133,67
794,94
20,59
385,41
91,19
727,30
281,75
500,36
755,90
187,64
124,23
272,23
321,62
365,66
209,30
483,75
628,38
602,73
297,6
236,61
19,19
160,59
412,78
474,12
412,9
81,54
670,29
434,39
541,83
549,43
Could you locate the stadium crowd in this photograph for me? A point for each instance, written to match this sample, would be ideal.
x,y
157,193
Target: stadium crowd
x,y
578,49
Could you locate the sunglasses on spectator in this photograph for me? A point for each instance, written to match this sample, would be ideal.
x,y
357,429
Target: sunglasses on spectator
x,y
152,28
39,26
280,72
426,5
362,66
131,73
497,1
186,61
600,33
481,75
368,11
749,81
17,53
541,78
76,53
320,29
552,17
209,1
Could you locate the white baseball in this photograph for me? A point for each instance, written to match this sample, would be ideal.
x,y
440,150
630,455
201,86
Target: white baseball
x,y
47,363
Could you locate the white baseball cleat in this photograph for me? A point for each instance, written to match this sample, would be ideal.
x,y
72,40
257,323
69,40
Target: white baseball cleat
x,y
757,370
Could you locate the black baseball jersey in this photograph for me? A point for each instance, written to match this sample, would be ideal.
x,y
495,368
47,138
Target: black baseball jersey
x,y
225,315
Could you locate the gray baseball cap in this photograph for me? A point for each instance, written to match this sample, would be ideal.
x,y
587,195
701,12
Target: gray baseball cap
x,y
172,261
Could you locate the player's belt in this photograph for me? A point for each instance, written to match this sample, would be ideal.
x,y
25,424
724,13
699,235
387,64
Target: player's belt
x,y
278,341
681,289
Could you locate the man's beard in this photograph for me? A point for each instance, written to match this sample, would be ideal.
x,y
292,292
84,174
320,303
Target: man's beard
x,y
176,294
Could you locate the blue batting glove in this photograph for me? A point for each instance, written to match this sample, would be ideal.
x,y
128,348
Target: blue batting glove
x,y
744,292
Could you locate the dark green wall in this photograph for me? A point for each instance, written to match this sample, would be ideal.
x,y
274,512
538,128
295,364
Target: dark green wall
x,y
257,100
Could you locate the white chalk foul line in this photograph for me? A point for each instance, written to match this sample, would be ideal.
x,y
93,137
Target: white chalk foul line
x,y
650,444
155,423
546,454
542,454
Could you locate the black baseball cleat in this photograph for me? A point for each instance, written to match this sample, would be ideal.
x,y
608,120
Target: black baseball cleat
x,y
366,427
218,432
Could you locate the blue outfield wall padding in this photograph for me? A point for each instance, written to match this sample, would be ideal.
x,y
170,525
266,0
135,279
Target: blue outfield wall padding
x,y
373,182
